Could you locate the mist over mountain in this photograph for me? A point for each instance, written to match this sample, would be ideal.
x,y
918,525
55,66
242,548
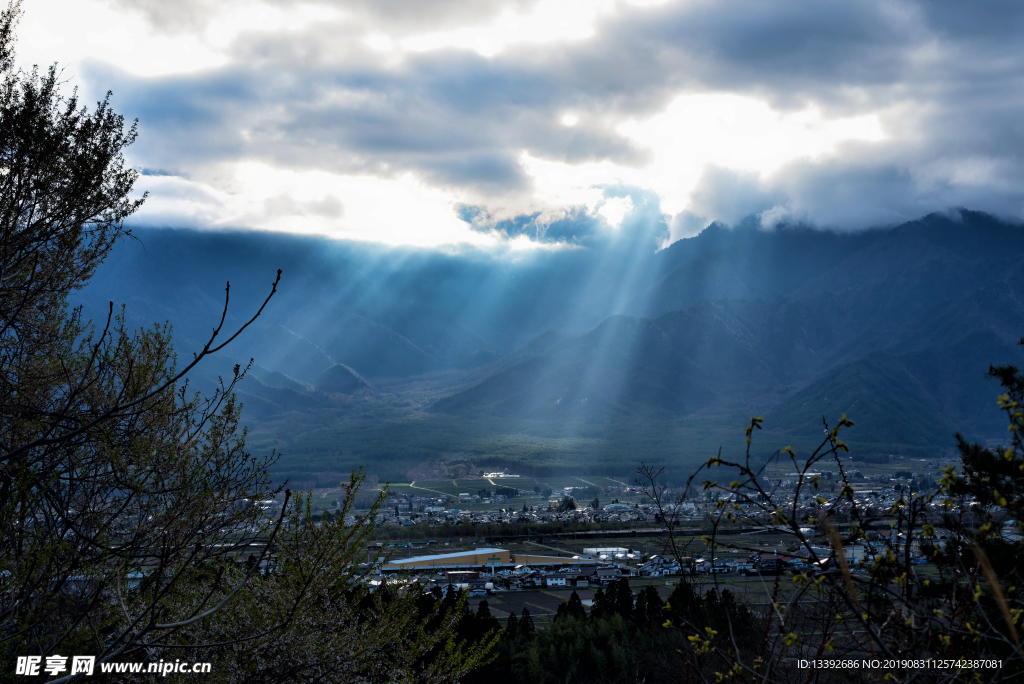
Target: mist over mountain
x,y
594,356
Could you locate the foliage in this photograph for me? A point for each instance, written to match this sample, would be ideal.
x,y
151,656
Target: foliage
x,y
129,524
311,616
623,639
573,608
891,609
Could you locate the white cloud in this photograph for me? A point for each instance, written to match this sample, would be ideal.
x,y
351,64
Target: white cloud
x,y
250,194
694,134
734,132
376,119
70,33
547,21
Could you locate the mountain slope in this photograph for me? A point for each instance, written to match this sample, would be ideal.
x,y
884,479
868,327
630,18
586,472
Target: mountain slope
x,y
392,356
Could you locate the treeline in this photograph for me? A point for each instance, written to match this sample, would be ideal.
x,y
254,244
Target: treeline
x,y
465,530
626,636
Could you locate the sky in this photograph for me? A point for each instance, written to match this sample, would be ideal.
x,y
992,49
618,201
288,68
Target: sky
x,y
488,122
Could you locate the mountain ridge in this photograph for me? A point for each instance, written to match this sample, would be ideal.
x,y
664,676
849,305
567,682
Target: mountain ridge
x,y
524,361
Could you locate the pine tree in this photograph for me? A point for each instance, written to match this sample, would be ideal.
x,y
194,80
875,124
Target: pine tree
x,y
623,598
512,628
573,608
526,628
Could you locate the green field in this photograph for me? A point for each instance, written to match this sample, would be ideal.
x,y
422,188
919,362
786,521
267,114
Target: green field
x,y
325,498
472,485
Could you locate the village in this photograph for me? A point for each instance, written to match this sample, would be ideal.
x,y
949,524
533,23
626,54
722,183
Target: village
x,y
573,541
597,501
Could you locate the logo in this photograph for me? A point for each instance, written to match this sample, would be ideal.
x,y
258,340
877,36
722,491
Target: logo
x,y
56,664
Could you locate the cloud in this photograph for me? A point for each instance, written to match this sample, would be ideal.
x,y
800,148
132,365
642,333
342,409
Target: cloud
x,y
286,205
833,113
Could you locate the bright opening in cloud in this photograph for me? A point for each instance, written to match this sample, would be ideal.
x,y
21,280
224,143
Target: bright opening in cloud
x,y
694,132
615,209
734,132
570,120
391,210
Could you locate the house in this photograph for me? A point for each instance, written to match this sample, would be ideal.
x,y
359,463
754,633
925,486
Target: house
x,y
660,566
854,553
743,566
555,580
533,580
769,564
601,574
795,562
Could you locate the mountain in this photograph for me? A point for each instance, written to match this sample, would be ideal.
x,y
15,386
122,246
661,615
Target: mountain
x,y
340,379
597,356
745,262
900,333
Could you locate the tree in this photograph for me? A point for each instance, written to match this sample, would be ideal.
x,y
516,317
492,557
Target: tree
x,y
623,597
888,607
512,628
604,604
648,608
573,608
526,627
128,524
651,485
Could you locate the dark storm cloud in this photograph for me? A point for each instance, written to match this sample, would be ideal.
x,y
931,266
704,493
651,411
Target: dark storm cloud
x,y
945,79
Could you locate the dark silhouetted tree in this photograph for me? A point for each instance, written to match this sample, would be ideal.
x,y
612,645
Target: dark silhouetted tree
x,y
573,608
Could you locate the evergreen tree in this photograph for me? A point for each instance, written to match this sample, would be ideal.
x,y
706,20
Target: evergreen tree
x,y
623,598
604,604
526,628
640,609
512,628
648,608
573,608
684,606
485,622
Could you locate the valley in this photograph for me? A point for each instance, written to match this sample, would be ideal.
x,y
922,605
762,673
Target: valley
x,y
581,361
